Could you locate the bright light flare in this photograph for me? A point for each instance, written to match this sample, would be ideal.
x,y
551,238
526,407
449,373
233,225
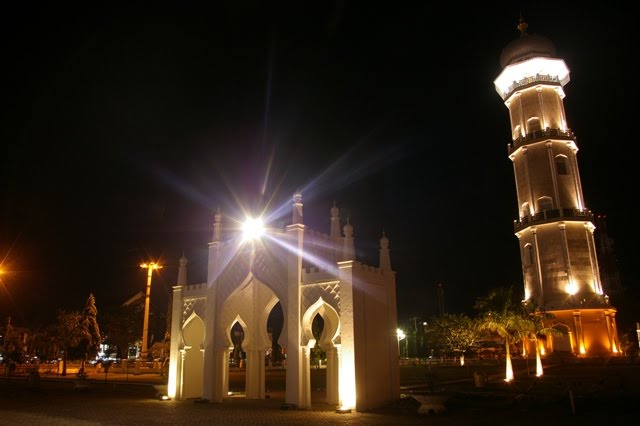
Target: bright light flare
x,y
152,265
252,229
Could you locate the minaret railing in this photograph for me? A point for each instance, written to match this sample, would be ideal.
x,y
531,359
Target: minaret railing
x,y
552,215
540,134
534,79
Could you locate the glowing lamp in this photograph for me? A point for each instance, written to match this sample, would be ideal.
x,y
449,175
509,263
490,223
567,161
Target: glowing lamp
x,y
571,288
252,229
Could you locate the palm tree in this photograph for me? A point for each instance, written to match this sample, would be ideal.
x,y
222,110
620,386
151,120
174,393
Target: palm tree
x,y
534,322
500,314
506,325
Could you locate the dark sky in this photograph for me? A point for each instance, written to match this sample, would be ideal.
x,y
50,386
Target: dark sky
x,y
123,129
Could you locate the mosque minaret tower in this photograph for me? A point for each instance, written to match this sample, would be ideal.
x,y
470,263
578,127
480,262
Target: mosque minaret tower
x,y
554,227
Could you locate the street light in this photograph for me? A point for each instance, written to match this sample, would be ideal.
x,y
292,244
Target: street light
x,y
401,336
145,329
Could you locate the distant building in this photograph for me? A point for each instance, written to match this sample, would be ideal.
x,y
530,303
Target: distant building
x,y
555,228
309,274
13,338
609,271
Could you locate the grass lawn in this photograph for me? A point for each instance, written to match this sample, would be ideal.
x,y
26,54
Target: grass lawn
x,y
591,390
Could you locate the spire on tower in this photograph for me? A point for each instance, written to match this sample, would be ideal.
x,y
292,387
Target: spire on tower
x,y
522,26
182,271
297,208
385,259
216,225
335,221
349,251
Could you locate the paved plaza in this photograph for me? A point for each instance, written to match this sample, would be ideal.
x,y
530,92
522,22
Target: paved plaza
x,y
567,395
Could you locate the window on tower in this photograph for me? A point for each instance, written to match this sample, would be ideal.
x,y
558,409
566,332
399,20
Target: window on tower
x,y
517,132
528,254
545,203
562,167
533,125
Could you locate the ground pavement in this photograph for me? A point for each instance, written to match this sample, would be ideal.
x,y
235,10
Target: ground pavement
x,y
602,393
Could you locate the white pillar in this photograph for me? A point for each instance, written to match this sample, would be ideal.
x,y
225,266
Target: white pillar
x,y
347,380
332,375
211,379
220,381
254,385
295,236
175,359
305,379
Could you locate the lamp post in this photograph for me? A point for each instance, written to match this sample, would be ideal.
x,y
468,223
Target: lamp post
x,y
145,328
400,334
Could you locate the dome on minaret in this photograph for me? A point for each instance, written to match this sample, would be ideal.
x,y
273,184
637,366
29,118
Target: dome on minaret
x,y
526,46
348,229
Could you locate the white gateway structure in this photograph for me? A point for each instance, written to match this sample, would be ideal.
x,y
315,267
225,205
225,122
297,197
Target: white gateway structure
x,y
309,274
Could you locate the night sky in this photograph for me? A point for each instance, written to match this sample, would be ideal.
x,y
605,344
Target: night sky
x,y
123,129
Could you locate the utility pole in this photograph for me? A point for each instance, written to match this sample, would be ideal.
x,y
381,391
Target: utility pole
x,y
440,299
145,329
415,335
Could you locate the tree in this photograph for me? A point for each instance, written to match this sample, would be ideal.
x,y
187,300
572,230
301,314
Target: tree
x,y
535,326
91,331
455,333
43,343
70,333
122,327
501,314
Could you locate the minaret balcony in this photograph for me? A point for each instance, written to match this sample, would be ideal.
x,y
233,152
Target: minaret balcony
x,y
531,72
530,81
537,135
555,215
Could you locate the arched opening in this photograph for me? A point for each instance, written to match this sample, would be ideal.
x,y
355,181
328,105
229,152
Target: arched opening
x,y
517,132
274,360
243,341
562,165
193,337
237,355
318,354
275,323
545,204
529,259
318,360
321,326
562,340
237,359
533,125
